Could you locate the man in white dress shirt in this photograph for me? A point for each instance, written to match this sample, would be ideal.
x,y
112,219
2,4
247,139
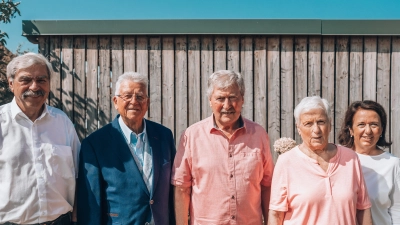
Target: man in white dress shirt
x,y
38,149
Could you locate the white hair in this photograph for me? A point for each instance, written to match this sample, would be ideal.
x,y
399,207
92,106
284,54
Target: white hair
x,y
223,79
25,61
310,103
131,76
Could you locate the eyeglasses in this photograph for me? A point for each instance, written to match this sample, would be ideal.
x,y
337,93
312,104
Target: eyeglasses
x,y
230,98
128,98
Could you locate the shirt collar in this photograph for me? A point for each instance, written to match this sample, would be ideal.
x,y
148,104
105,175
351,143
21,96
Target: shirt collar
x,y
16,110
213,126
127,132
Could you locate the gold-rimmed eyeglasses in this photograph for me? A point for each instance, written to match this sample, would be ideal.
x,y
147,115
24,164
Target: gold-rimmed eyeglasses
x,y
128,98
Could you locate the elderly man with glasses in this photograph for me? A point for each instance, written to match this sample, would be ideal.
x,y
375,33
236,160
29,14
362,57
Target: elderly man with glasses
x,y
38,149
125,166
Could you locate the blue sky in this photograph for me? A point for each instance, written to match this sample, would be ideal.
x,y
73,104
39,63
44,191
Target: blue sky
x,y
194,9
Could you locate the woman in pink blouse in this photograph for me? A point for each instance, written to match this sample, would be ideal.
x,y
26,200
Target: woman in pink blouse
x,y
318,182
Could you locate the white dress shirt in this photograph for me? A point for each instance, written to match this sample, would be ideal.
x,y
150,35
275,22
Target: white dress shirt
x,y
38,165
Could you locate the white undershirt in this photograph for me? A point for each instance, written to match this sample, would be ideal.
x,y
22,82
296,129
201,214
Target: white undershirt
x,y
38,165
382,177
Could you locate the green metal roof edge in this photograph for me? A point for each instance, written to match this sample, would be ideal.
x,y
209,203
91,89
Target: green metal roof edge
x,y
360,27
170,26
211,26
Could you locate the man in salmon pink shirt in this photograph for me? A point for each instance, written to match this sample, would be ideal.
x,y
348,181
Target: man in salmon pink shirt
x,y
223,167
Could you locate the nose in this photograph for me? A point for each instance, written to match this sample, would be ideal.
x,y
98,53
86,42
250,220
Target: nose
x,y
316,128
368,129
227,104
34,86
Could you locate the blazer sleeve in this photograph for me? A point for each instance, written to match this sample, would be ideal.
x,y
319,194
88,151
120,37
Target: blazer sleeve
x,y
89,187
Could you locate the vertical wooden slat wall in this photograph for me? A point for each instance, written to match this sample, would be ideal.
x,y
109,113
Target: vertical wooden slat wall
x,y
278,72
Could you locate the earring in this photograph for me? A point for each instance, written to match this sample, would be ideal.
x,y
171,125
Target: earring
x,y
351,136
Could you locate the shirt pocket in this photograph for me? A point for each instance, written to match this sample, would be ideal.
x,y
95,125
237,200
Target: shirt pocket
x,y
252,165
59,159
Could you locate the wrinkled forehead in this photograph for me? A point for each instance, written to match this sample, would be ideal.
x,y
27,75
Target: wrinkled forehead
x,y
35,70
229,90
131,87
318,112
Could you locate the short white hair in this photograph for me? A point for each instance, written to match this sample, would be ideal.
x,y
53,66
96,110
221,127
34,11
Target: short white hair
x,y
310,103
131,76
25,61
223,79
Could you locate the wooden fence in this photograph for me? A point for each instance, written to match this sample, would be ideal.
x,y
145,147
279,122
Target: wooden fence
x,y
278,70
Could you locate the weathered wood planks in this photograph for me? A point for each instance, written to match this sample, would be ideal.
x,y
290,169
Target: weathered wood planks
x,y
80,86
278,71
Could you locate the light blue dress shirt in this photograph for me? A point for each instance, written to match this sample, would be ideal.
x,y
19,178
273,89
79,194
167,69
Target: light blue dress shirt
x,y
141,151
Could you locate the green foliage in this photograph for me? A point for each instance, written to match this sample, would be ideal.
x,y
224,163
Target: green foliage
x,y
8,10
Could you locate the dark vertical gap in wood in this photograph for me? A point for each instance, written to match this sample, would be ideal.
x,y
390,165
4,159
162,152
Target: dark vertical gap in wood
x,y
335,49
363,73
201,76
73,80
348,72
60,102
376,67
240,54
174,48
161,78
280,85
135,47
389,114
308,64
321,46
253,76
187,79
294,84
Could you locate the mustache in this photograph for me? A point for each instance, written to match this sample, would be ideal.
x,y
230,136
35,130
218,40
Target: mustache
x,y
228,111
30,93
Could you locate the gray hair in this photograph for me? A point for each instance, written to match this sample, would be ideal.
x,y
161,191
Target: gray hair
x,y
131,76
224,79
25,61
310,103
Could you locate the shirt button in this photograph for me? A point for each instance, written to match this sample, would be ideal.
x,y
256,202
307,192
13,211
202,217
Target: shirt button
x,y
151,202
233,217
230,155
231,175
233,197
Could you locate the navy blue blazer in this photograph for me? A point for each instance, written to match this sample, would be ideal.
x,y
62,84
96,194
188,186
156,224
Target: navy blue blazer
x,y
110,187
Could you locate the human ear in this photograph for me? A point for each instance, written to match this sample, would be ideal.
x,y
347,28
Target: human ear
x,y
115,102
10,85
351,132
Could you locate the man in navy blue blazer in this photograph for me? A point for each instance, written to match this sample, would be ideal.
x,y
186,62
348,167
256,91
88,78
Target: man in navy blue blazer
x,y
125,167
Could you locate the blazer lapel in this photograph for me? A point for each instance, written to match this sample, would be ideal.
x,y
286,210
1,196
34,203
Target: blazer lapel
x,y
155,145
124,154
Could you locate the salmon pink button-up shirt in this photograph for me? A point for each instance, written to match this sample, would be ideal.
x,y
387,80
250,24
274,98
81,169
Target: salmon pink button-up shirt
x,y
225,174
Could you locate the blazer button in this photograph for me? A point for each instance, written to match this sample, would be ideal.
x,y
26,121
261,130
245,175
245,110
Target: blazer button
x,y
151,202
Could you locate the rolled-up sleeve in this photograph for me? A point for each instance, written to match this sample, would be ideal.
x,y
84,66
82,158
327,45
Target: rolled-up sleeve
x,y
181,170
